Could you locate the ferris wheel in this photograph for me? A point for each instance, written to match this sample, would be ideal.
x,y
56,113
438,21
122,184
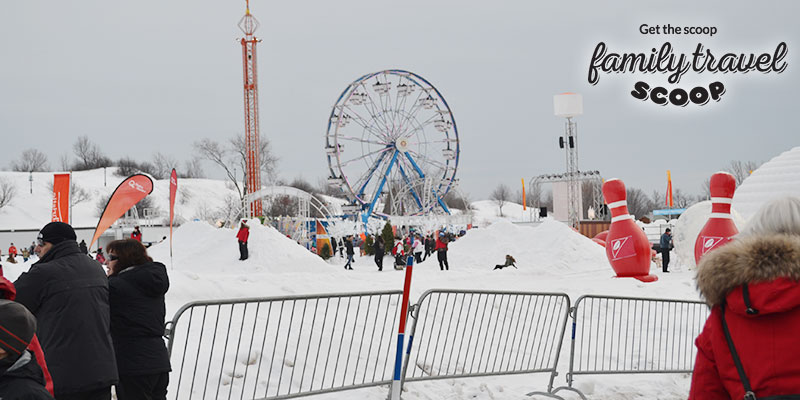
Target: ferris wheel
x,y
392,145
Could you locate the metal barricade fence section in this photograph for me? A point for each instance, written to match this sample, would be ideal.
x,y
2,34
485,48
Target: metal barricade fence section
x,y
285,347
472,333
635,335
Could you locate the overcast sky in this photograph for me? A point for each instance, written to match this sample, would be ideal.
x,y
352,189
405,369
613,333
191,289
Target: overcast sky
x,y
144,76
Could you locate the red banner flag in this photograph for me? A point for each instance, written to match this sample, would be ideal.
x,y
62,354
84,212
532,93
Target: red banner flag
x,y
60,211
125,196
173,189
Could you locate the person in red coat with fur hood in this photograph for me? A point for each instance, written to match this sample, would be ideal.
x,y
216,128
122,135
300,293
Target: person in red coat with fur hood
x,y
752,283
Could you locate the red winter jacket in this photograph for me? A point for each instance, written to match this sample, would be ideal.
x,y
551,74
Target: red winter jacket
x,y
136,235
441,244
243,234
766,341
9,292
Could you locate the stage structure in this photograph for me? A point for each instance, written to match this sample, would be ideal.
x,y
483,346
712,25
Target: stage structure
x,y
570,105
600,212
248,24
392,146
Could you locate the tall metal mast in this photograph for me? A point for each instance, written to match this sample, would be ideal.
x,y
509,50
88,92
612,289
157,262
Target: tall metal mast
x,y
248,24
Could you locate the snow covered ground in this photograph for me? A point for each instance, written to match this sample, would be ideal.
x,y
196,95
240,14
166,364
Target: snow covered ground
x,y
550,258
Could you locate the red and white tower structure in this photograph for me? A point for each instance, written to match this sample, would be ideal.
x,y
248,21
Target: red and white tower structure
x,y
248,24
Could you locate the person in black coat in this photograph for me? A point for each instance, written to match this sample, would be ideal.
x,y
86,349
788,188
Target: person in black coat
x,y
137,286
68,294
20,375
348,244
333,246
380,249
82,246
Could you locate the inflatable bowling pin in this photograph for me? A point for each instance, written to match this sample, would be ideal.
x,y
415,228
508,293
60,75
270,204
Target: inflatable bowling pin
x,y
627,247
719,229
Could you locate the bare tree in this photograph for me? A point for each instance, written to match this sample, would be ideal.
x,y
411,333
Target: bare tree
x,y
457,199
7,192
31,160
268,160
64,162
741,170
193,169
221,156
501,195
77,194
639,204
233,155
89,155
163,165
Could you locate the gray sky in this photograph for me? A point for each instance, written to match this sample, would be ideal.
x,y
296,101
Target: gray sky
x,y
144,76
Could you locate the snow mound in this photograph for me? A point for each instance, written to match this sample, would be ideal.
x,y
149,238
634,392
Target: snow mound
x,y
550,248
777,177
212,249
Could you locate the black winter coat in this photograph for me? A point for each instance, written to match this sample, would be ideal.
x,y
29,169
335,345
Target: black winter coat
x,y
68,294
348,245
24,380
137,319
379,249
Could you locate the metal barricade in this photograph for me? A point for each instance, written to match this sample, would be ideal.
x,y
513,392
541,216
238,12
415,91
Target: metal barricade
x,y
459,333
624,335
282,347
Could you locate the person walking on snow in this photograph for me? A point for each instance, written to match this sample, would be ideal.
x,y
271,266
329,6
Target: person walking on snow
x,y
380,249
418,248
348,243
242,236
441,252
666,246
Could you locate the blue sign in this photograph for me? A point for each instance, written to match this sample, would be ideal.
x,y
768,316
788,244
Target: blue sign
x,y
669,211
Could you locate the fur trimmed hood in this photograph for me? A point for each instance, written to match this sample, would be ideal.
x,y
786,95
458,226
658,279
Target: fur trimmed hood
x,y
757,261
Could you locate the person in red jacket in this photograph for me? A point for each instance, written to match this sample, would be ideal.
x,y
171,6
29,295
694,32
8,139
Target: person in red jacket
x,y
136,234
441,251
12,254
242,236
752,286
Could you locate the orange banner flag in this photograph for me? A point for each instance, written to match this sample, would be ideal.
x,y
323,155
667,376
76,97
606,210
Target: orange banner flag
x,y
126,195
668,200
60,212
524,206
173,189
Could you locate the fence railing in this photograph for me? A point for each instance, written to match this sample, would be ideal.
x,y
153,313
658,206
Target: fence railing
x,y
282,347
616,335
285,347
460,333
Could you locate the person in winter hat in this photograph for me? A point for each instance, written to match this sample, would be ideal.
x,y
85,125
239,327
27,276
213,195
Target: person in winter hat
x,y
68,294
753,287
20,375
100,257
137,286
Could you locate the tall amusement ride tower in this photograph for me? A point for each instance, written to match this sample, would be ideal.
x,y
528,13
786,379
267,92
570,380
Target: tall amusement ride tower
x,y
248,24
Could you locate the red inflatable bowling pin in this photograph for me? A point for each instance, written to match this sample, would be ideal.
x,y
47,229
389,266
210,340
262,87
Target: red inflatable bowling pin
x,y
719,229
627,247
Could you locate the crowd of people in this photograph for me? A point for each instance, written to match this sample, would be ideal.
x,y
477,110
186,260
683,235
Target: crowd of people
x,y
414,244
76,329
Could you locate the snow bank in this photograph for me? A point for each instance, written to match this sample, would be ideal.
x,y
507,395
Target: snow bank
x,y
550,248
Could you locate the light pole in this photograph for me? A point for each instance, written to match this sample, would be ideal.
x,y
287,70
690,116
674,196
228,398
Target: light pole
x,y
569,105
